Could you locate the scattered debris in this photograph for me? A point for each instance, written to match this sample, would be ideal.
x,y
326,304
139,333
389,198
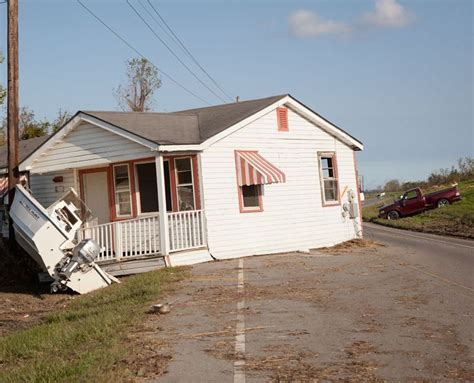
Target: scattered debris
x,y
161,308
353,244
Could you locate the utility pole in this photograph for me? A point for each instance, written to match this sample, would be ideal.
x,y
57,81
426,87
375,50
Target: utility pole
x,y
13,106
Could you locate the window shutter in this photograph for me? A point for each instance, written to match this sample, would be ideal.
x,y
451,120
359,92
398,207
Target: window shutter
x,y
282,117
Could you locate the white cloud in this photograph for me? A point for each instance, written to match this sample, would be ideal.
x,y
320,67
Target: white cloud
x,y
388,13
304,23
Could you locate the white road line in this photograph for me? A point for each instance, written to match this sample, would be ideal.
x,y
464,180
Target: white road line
x,y
404,233
239,363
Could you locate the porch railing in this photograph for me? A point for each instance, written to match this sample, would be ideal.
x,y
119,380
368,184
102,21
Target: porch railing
x,y
186,230
141,236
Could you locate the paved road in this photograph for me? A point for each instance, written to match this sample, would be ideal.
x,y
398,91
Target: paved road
x,y
400,312
446,258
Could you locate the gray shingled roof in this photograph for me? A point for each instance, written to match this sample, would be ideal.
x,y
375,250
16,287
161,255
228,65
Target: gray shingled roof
x,y
215,119
162,128
192,126
26,147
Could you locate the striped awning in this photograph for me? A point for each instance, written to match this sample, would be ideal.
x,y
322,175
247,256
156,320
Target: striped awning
x,y
4,182
253,169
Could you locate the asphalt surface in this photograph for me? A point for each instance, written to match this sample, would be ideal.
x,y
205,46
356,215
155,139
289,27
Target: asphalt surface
x,y
402,311
447,258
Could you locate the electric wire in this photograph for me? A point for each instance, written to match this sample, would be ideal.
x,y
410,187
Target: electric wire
x,y
173,53
140,54
183,47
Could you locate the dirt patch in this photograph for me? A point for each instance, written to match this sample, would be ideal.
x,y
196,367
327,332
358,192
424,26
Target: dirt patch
x,y
148,359
350,246
20,310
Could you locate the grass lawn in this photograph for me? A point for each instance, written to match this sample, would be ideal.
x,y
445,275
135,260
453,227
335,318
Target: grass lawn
x,y
86,340
456,219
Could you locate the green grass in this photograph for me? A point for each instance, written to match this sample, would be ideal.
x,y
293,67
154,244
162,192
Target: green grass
x,y
86,340
456,219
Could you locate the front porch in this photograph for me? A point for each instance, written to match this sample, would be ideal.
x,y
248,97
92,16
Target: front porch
x,y
127,198
140,238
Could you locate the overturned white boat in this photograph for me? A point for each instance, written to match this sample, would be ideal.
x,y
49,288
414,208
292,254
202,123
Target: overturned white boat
x,y
49,237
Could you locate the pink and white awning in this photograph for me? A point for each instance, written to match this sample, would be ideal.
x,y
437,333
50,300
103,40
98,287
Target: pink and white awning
x,y
253,169
4,182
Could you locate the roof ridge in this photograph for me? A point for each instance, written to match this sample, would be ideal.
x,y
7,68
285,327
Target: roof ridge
x,y
118,112
232,103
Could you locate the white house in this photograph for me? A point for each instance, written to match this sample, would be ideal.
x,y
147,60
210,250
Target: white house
x,y
253,177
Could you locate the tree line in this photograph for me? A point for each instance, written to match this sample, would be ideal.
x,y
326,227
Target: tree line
x,y
464,170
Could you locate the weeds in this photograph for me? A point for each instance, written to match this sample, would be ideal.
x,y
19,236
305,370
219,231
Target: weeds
x,y
85,341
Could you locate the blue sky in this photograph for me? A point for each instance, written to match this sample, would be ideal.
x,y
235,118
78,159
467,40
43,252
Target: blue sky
x,y
396,74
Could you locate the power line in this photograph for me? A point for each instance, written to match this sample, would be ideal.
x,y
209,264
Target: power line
x,y
173,53
158,23
187,50
140,54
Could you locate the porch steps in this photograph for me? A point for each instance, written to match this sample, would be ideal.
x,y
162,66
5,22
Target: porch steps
x,y
133,266
190,257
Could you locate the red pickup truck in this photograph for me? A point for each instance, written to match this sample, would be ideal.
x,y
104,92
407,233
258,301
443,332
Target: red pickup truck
x,y
414,202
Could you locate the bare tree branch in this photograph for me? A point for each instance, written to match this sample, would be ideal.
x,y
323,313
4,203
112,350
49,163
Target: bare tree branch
x,y
136,94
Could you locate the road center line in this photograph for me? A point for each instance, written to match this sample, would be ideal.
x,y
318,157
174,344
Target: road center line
x,y
397,232
239,363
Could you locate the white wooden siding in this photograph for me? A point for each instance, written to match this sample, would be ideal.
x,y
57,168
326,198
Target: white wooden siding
x,y
86,146
46,191
293,216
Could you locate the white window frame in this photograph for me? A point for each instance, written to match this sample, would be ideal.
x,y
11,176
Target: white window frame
x,y
322,155
117,205
251,209
187,184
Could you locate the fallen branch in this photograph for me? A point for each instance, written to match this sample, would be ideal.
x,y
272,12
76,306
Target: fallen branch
x,y
222,332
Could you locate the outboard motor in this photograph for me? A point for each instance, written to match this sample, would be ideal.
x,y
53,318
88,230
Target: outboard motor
x,y
83,255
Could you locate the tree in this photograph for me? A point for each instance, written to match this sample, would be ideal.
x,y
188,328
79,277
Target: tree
x,y
29,127
62,117
392,186
136,94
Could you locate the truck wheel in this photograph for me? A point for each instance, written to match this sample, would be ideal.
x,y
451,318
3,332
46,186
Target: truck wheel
x,y
443,202
393,214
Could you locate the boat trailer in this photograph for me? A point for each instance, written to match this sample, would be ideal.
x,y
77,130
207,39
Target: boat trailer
x,y
50,237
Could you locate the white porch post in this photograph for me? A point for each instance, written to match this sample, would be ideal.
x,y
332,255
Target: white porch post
x,y
160,184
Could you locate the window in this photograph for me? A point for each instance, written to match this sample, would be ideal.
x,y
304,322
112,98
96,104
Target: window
x,y
184,183
282,118
412,194
329,181
147,187
123,201
251,197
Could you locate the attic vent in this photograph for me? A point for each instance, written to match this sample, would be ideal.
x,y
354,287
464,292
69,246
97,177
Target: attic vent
x,y
282,117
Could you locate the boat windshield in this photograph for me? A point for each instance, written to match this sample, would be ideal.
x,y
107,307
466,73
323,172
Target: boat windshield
x,y
82,211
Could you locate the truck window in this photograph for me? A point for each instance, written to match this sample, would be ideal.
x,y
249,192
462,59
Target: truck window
x,y
412,194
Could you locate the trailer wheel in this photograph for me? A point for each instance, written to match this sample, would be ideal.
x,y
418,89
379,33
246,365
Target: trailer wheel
x,y
443,202
393,214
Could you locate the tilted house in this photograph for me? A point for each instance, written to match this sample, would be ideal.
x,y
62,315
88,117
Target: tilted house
x,y
254,177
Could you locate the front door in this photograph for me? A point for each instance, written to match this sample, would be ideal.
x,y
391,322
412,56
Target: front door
x,y
96,194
